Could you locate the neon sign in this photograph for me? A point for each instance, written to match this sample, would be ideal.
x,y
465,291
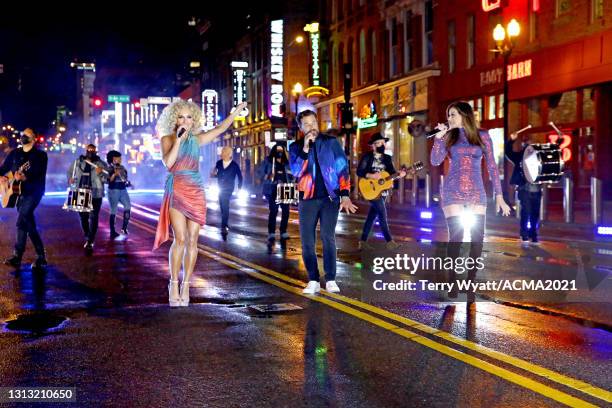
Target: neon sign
x,y
239,84
489,5
519,70
315,39
210,99
276,67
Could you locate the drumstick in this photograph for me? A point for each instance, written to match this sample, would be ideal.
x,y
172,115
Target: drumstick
x,y
523,129
554,127
95,165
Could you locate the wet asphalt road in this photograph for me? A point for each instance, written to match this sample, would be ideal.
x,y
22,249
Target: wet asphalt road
x,y
122,346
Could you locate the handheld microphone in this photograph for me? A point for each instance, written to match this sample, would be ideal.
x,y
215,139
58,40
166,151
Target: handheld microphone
x,y
181,132
434,132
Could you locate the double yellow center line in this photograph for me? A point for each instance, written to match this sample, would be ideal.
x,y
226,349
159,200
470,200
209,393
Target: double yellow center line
x,y
408,328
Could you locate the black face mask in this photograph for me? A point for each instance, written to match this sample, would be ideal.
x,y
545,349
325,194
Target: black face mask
x,y
90,155
380,149
25,139
280,154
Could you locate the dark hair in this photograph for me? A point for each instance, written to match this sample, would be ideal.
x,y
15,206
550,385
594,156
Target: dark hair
x,y
469,124
111,155
272,157
304,113
91,145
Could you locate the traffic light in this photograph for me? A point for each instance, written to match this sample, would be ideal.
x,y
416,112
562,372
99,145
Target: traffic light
x,y
41,139
137,105
97,102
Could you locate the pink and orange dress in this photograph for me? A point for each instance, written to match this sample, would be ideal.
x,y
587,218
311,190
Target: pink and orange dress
x,y
184,190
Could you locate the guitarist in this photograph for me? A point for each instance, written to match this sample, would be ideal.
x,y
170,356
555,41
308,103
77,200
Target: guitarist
x,y
370,166
32,190
84,175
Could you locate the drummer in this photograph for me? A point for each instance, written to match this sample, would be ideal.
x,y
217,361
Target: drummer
x,y
529,194
277,170
86,172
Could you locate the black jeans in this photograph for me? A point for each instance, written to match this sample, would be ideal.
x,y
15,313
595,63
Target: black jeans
x,y
377,209
89,221
26,226
311,211
274,211
224,205
530,213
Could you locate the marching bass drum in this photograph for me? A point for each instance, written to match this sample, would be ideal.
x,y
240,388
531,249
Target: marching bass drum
x,y
287,193
79,200
543,163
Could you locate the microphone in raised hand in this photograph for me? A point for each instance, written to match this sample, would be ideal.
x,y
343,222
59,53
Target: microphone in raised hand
x,y
180,132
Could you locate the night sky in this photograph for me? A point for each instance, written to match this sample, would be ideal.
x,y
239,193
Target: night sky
x,y
36,55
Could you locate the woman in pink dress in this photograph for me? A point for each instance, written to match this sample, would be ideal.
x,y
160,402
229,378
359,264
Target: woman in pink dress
x,y
184,204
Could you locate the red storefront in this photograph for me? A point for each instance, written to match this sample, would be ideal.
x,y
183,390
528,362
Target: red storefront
x,y
562,73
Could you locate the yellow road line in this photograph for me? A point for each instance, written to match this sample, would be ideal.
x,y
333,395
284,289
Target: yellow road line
x,y
236,263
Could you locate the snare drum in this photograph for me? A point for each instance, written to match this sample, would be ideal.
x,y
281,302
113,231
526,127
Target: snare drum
x,y
79,200
287,193
543,163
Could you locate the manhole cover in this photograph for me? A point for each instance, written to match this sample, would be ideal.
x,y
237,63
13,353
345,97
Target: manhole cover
x,y
275,308
35,323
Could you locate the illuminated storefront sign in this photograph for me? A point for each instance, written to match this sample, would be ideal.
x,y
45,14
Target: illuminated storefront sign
x,y
210,108
315,41
491,77
367,116
276,68
519,70
489,5
239,69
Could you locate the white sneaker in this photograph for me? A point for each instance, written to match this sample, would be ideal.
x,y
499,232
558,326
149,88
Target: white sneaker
x,y
332,287
312,288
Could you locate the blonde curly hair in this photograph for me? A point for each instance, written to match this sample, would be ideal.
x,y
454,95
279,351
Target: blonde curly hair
x,y
166,124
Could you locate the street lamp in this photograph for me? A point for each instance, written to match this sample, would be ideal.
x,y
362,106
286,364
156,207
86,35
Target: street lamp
x,y
504,44
297,91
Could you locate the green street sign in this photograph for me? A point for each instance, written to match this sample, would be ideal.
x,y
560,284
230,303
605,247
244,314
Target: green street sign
x,y
118,98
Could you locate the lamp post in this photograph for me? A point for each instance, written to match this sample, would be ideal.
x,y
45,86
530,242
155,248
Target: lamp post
x,y
297,91
504,44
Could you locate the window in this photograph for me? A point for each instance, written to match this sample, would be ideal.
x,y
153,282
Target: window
x,y
562,7
597,9
393,52
470,46
451,46
334,10
533,23
491,110
335,67
500,106
429,26
374,58
408,41
363,58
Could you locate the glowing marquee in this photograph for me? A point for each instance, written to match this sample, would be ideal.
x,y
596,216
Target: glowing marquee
x,y
210,107
315,41
276,68
519,70
239,83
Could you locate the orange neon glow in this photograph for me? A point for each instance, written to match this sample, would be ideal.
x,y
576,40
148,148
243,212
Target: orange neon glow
x,y
488,5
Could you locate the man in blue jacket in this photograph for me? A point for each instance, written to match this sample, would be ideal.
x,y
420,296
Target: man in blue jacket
x,y
320,164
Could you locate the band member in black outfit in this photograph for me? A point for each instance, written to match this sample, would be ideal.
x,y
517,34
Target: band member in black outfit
x,y
84,175
370,166
117,192
32,191
529,194
277,170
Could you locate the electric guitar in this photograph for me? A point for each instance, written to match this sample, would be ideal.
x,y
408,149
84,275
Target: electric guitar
x,y
371,189
11,190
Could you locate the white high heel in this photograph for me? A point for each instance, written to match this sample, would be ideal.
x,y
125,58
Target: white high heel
x,y
173,301
184,294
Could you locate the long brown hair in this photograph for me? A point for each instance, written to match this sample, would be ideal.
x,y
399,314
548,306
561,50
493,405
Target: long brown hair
x,y
469,124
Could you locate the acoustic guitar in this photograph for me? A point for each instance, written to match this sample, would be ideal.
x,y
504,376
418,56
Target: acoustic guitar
x,y
11,190
371,189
